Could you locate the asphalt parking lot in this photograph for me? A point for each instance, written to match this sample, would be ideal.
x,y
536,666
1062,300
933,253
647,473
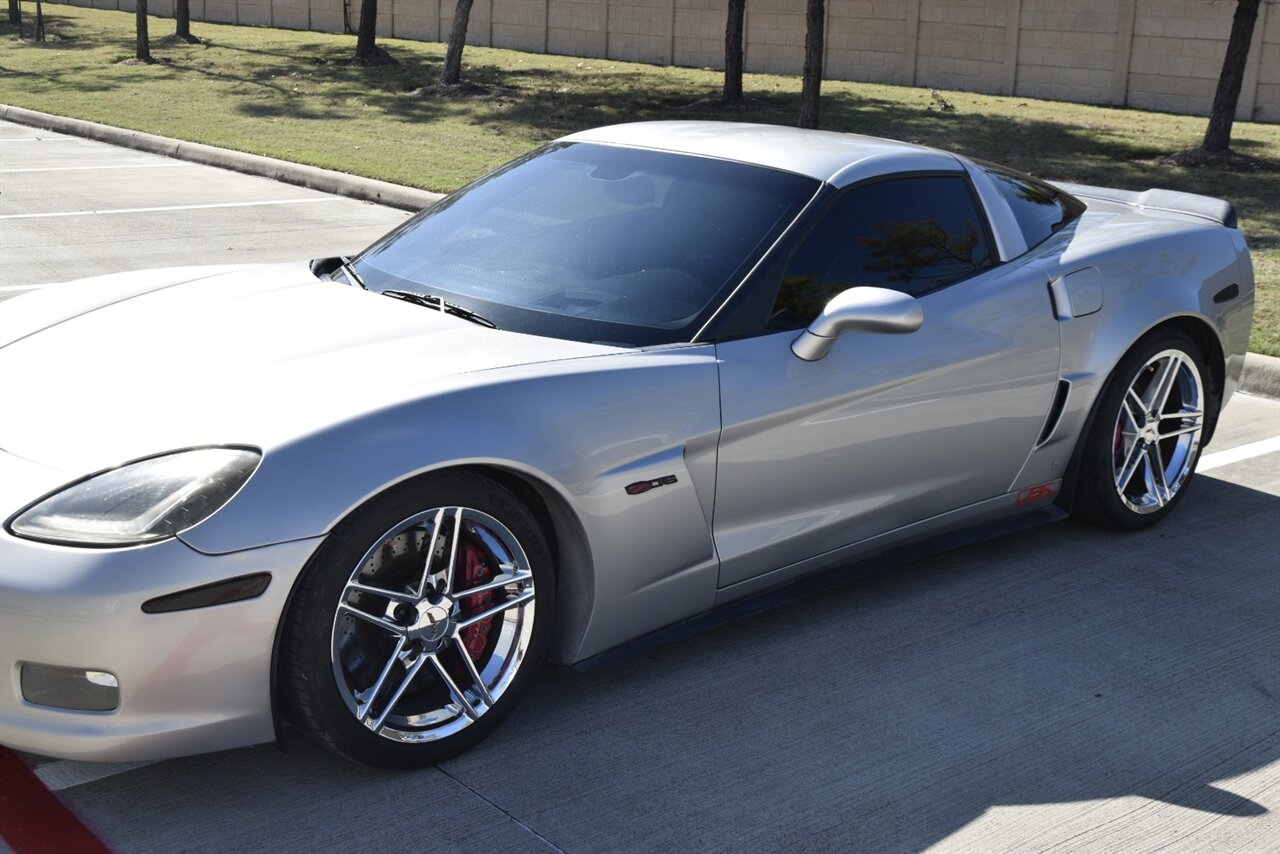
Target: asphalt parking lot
x,y
1060,689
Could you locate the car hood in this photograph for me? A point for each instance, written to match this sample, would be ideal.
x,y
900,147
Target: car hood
x,y
99,372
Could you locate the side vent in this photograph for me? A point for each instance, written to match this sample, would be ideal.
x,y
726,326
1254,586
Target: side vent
x,y
1227,294
1055,412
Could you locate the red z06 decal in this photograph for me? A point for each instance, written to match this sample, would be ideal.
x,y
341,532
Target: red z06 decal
x,y
1039,492
643,486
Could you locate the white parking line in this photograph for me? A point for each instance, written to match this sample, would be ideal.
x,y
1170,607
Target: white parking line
x,y
173,164
175,208
65,773
1235,455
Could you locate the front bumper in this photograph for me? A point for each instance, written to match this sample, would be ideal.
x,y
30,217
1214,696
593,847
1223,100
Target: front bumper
x,y
190,681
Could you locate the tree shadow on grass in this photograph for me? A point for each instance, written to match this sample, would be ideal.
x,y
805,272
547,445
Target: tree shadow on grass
x,y
286,110
61,33
68,79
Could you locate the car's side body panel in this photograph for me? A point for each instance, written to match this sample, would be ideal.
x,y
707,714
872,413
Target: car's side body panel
x,y
886,430
585,428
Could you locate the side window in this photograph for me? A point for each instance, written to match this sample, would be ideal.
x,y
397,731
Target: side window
x,y
1039,209
910,234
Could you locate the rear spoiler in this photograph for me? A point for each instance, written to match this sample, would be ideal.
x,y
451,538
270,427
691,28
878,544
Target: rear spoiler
x,y
1171,201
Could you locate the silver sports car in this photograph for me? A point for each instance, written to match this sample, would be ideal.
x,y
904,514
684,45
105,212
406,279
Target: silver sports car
x,y
620,383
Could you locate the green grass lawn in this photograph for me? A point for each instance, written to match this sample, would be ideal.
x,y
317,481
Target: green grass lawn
x,y
286,94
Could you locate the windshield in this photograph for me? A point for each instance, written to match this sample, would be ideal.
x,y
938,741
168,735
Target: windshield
x,y
592,242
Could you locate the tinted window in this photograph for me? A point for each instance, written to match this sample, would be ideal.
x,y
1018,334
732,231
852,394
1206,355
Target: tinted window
x,y
1040,209
909,234
593,242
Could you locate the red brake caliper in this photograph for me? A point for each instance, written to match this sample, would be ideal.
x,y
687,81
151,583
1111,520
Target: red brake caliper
x,y
474,573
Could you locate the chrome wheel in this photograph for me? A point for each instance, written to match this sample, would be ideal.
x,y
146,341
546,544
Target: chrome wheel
x,y
1157,431
433,624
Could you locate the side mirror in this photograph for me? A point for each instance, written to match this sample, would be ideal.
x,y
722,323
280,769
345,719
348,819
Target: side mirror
x,y
865,308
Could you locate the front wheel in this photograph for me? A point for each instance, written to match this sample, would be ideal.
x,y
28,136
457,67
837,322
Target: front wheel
x,y
419,622
1141,453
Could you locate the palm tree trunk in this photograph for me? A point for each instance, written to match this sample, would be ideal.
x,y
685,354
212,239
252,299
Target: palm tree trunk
x,y
813,38
733,31
452,70
1217,136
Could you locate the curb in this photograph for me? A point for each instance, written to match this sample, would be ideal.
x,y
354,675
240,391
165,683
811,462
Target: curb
x,y
1261,376
312,177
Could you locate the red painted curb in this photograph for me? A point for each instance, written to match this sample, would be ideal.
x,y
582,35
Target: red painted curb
x,y
33,819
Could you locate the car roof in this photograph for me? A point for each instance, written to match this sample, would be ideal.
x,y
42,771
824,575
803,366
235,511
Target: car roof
x,y
837,158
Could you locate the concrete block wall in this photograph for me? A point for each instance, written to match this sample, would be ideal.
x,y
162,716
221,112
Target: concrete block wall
x,y
1176,57
291,14
1067,51
1267,98
422,20
775,36
324,15
1155,54
518,24
699,33
961,44
867,40
640,30
575,27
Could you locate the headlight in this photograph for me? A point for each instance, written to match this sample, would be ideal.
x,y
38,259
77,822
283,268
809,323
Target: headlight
x,y
152,499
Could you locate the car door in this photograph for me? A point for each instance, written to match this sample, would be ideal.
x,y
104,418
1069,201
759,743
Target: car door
x,y
886,430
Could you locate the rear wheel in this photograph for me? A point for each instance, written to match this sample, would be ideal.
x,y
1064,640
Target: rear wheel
x,y
1141,453
419,622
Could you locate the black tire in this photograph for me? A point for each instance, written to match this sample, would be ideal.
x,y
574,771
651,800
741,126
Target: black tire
x,y
1115,439
329,657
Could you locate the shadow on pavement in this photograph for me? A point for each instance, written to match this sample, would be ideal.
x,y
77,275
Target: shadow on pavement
x,y
1059,665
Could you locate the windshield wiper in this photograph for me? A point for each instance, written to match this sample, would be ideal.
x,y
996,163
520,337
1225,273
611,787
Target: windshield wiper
x,y
441,305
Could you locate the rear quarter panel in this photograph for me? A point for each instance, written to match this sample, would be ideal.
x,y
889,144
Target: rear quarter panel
x,y
1154,268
